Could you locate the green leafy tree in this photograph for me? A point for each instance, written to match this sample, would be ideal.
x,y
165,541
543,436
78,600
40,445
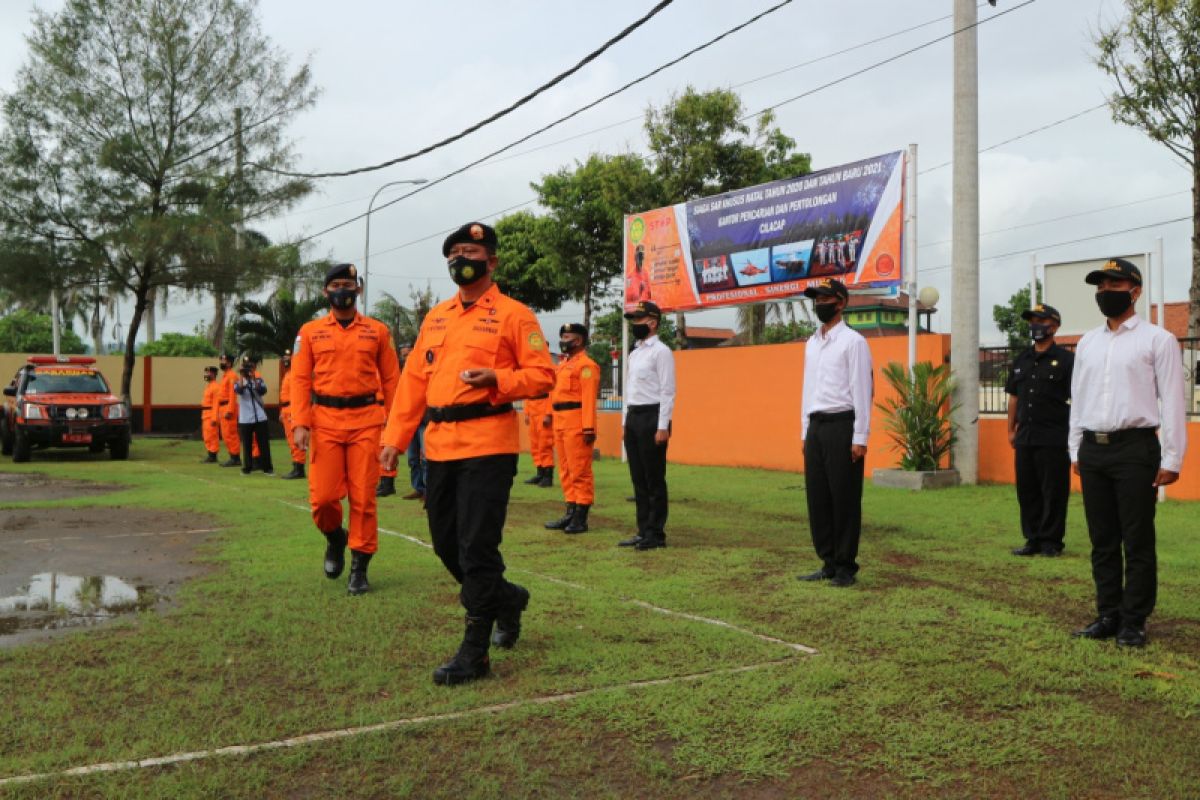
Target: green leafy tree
x,y
270,328
1008,317
525,272
784,332
404,322
25,331
179,344
1153,57
120,142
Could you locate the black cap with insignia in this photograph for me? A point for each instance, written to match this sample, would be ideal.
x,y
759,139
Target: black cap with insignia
x,y
1118,268
644,309
472,233
1042,311
574,327
339,271
827,287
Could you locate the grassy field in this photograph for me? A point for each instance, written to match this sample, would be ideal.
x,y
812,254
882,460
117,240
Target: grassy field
x,y
946,672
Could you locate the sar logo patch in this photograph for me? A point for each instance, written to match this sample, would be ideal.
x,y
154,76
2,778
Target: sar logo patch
x,y
586,372
536,342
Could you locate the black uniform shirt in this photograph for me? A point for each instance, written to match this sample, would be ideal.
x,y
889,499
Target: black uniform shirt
x,y
1041,382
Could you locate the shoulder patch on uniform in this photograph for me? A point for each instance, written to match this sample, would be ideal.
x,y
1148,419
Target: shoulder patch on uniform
x,y
536,342
296,345
586,372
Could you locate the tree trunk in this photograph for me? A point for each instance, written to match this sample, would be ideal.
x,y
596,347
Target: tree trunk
x,y
139,308
587,304
217,331
151,303
97,327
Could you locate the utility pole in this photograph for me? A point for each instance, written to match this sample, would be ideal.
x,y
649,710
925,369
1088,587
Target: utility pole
x,y
910,251
964,247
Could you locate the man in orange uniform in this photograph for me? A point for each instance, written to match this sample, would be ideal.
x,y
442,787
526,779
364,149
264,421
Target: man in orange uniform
x,y
209,428
541,440
344,375
573,400
476,353
227,412
288,420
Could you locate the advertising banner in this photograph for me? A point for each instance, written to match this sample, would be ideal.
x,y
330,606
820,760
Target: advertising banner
x,y
770,241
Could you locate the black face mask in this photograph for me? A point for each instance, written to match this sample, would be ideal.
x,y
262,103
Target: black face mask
x,y
640,330
566,348
1114,303
343,298
1039,331
465,271
826,311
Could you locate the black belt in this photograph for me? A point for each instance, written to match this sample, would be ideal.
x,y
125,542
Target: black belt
x,y
539,397
1112,437
223,403
206,408
465,412
831,416
285,405
568,406
353,401
643,408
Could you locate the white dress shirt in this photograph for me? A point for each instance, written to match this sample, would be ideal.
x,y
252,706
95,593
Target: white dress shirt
x,y
1121,377
651,379
838,377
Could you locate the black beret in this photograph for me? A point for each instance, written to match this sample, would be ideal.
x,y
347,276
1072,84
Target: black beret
x,y
210,369
827,287
227,357
339,271
644,309
1118,268
472,233
1042,311
574,327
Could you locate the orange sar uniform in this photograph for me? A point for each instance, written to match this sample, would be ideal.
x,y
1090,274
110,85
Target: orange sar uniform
x,y
209,422
227,413
573,401
541,438
342,380
471,440
287,417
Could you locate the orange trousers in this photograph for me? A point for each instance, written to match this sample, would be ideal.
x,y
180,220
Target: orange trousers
x,y
298,456
541,443
345,464
211,432
575,466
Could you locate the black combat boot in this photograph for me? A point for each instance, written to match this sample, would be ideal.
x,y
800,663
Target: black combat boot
x,y
386,487
211,458
358,572
335,553
234,461
536,478
547,479
578,523
297,472
563,521
471,661
508,623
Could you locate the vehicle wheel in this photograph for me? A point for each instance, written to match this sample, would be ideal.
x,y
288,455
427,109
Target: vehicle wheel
x,y
96,446
119,449
21,447
6,441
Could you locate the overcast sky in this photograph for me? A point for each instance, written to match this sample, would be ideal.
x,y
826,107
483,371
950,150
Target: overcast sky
x,y
396,76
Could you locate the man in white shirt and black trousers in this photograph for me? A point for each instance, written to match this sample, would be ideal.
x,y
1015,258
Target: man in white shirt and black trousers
x,y
1127,385
838,388
649,403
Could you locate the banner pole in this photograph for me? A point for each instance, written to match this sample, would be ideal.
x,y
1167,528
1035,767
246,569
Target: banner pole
x,y
910,250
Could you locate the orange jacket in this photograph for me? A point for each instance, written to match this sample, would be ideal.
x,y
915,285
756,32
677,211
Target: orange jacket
x,y
212,395
333,361
577,381
497,333
285,389
227,398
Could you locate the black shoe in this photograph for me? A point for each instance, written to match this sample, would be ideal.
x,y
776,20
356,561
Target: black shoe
x,y
1101,628
1050,551
631,499
358,572
508,624
269,471
563,521
1028,549
648,543
335,553
632,541
1132,634
578,523
386,487
297,472
843,580
546,481
471,662
234,461
211,458
820,575
535,479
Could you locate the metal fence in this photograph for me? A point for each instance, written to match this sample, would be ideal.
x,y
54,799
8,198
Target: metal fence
x,y
995,363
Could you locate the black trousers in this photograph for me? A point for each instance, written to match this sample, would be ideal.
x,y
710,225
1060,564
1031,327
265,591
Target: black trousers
x,y
1043,486
1119,500
834,485
647,470
466,502
248,432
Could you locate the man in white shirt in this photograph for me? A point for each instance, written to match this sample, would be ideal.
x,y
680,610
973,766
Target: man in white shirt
x,y
1127,384
649,403
838,388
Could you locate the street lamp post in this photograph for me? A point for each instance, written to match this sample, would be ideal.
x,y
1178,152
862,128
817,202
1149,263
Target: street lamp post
x,y
367,245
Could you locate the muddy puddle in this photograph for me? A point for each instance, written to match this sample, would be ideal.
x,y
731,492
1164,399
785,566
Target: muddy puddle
x,y
53,601
35,486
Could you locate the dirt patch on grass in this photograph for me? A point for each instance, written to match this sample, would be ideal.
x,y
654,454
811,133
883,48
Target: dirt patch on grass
x,y
37,487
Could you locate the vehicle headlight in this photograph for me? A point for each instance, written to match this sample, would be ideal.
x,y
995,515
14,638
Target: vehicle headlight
x,y
83,412
35,412
72,413
115,411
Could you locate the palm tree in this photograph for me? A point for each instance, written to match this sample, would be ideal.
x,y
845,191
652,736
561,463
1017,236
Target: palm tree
x,y
270,328
404,321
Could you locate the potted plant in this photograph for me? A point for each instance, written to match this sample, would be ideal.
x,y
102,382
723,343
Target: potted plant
x,y
917,419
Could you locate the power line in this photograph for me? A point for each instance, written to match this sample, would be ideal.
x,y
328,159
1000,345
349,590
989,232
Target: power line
x,y
558,121
557,79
